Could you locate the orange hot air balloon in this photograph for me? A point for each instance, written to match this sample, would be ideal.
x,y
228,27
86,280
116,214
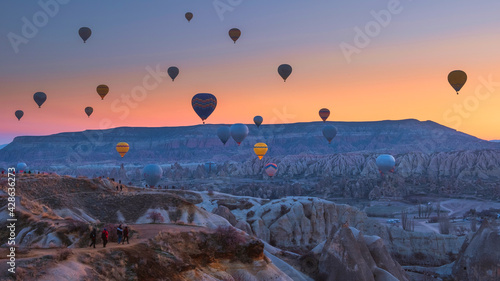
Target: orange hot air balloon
x,y
102,90
260,149
122,148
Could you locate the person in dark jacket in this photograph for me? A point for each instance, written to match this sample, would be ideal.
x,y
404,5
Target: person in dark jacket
x,y
93,236
125,235
104,236
119,232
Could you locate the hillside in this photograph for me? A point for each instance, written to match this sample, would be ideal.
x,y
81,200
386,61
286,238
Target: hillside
x,y
291,237
200,143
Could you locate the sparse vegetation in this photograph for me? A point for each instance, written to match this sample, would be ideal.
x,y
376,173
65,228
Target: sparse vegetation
x,y
175,216
407,224
155,217
63,254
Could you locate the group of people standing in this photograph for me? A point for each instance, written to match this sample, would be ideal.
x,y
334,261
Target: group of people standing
x,y
122,234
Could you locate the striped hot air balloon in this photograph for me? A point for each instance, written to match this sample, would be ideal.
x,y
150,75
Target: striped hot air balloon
x,y
122,148
271,169
324,113
260,149
102,90
234,33
204,104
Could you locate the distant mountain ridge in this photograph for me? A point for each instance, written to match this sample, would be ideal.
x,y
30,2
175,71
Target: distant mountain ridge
x,y
200,143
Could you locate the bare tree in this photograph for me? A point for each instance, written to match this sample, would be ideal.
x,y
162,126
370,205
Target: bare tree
x,y
444,225
407,224
156,217
438,209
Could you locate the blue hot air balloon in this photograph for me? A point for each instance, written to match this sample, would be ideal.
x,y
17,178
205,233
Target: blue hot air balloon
x,y
284,71
21,167
204,104
40,98
210,167
152,173
224,133
19,114
239,132
386,163
329,132
84,33
173,72
258,120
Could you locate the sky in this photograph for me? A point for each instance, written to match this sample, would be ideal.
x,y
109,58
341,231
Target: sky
x,y
364,60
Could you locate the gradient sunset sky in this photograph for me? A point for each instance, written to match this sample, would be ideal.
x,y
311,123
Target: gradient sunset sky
x,y
400,73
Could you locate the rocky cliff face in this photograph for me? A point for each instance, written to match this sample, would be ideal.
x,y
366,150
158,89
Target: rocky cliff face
x,y
479,258
347,255
300,224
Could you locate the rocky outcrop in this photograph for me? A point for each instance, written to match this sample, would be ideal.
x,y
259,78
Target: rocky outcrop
x,y
346,255
224,212
479,258
417,248
300,222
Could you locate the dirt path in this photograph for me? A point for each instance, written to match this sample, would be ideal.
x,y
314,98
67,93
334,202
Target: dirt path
x,y
143,233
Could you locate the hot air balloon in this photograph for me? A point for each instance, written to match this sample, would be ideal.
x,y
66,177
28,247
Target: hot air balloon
x,y
89,110
173,72
271,169
324,113
224,133
329,132
84,33
152,173
457,79
386,163
239,132
260,149
258,120
284,71
204,104
40,98
189,16
210,167
19,114
21,167
102,90
122,148
234,33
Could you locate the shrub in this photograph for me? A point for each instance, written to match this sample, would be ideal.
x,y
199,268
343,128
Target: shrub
x,y
63,254
228,238
156,217
175,215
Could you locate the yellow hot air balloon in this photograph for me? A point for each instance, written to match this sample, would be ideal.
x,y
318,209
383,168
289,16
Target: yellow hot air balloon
x,y
102,90
260,149
122,148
